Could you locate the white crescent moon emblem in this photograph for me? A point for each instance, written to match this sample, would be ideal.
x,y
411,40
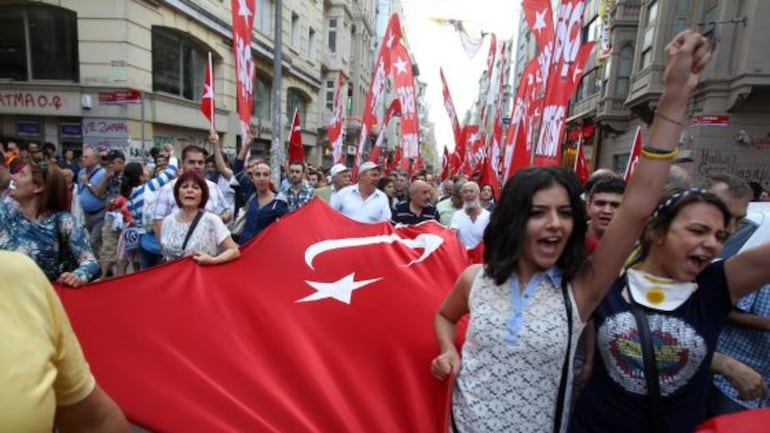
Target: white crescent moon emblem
x,y
429,243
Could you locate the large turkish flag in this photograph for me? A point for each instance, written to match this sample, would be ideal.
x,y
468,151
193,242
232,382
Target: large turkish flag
x,y
323,325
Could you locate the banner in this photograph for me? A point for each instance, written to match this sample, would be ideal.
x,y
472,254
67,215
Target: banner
x,y
450,107
518,142
605,40
490,69
315,328
207,100
445,166
335,125
243,24
403,79
493,150
391,39
581,169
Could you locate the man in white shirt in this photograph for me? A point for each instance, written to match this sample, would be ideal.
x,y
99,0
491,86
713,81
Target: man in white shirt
x,y
470,222
193,159
363,201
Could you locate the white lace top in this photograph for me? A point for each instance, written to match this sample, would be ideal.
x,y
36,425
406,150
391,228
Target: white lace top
x,y
206,237
513,355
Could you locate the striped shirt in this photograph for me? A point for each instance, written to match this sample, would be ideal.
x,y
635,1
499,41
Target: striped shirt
x,y
136,200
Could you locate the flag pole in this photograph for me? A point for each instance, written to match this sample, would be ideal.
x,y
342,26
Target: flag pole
x,y
213,92
276,146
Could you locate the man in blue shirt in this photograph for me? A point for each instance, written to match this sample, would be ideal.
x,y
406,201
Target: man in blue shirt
x,y
91,199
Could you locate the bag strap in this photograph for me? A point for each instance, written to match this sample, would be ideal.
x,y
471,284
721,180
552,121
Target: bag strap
x,y
191,229
650,366
561,399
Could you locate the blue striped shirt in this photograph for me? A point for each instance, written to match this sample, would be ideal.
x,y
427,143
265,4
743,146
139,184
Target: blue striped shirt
x,y
136,200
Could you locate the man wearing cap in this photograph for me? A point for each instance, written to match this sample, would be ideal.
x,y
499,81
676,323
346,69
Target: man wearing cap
x,y
340,179
363,201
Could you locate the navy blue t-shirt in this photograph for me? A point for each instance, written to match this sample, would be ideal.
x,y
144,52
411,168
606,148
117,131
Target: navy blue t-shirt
x,y
615,398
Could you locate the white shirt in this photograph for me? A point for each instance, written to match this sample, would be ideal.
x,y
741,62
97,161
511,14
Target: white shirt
x,y
165,204
348,200
470,232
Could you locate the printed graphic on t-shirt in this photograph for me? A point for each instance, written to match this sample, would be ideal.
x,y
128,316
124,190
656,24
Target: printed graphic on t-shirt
x,y
679,351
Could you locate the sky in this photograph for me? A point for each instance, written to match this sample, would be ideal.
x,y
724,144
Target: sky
x,y
435,46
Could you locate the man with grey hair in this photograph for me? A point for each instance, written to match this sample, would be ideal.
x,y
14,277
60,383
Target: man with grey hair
x,y
447,207
736,194
472,220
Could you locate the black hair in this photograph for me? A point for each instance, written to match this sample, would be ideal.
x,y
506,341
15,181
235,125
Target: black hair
x,y
132,177
611,185
504,236
674,200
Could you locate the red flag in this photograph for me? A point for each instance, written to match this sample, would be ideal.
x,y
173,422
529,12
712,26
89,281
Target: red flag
x,y
581,169
207,100
490,68
296,150
445,165
308,346
517,141
396,160
489,177
636,153
749,421
404,84
450,107
391,39
417,166
243,24
393,110
335,125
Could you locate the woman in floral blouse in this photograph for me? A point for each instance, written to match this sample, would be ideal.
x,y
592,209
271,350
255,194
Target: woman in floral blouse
x,y
34,221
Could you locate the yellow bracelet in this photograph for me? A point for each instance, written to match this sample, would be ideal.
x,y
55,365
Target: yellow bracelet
x,y
659,156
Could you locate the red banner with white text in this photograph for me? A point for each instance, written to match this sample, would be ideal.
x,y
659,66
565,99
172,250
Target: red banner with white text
x,y
335,125
380,73
450,108
243,22
403,78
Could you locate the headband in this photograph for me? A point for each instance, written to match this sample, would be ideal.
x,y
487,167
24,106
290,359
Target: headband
x,y
262,165
673,199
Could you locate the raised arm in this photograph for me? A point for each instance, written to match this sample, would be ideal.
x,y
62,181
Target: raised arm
x,y
748,271
219,161
687,55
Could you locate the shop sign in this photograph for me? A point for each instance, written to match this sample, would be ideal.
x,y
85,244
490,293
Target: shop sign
x,y
28,128
105,128
120,97
70,129
720,120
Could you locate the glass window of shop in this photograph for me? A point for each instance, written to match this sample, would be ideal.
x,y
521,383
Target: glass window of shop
x,y
262,97
178,64
38,43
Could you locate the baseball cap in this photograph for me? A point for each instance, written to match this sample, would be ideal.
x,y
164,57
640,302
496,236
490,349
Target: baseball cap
x,y
337,169
115,154
368,165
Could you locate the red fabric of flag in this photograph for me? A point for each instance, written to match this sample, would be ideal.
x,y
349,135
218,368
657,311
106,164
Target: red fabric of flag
x,y
450,107
445,165
335,125
636,153
296,150
581,169
489,177
403,78
749,421
243,12
316,328
207,100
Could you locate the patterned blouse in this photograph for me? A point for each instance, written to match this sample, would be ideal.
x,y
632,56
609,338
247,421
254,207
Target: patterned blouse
x,y
41,240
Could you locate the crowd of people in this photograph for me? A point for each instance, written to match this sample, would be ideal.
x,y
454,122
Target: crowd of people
x,y
598,307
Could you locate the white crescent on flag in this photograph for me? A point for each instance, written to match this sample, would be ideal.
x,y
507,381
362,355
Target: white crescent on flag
x,y
428,242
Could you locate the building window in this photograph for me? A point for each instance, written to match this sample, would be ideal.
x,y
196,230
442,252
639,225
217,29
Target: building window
x,y
263,89
624,71
311,45
178,64
295,31
330,95
649,33
332,36
590,85
619,163
295,100
263,18
591,31
38,43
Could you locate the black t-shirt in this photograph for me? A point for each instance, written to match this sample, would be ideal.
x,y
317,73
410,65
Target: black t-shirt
x,y
402,214
615,398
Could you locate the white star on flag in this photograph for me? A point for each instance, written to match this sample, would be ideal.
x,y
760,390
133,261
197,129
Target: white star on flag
x,y
243,11
391,37
539,21
340,290
400,65
207,92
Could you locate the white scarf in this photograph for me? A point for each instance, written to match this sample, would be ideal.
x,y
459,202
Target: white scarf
x,y
658,293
